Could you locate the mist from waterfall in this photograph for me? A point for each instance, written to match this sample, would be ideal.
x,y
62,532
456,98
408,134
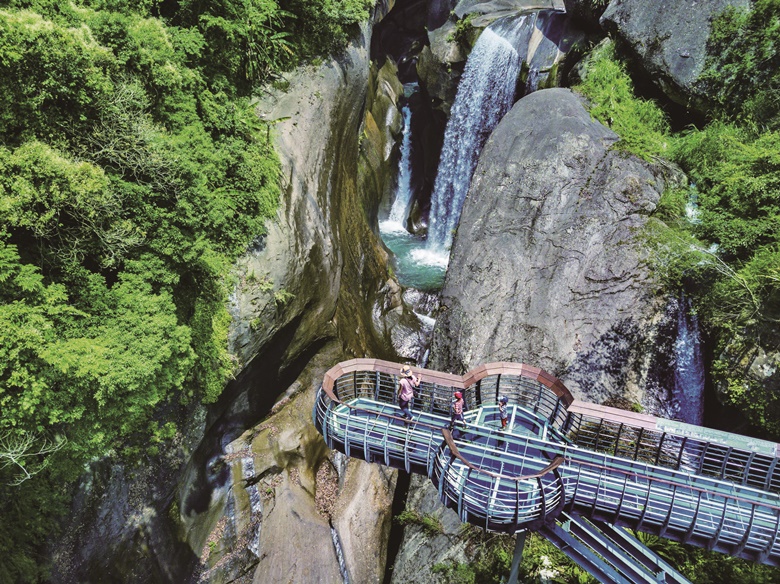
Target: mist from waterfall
x,y
485,93
689,366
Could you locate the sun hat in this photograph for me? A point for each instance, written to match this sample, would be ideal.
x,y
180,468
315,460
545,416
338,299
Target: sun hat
x,y
458,394
406,371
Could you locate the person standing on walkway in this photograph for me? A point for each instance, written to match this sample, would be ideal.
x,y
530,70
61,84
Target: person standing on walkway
x,y
456,410
502,411
406,390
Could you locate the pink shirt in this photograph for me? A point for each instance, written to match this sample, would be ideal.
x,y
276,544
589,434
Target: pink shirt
x,y
407,389
457,407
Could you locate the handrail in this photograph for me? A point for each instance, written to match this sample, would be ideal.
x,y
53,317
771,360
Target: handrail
x,y
454,381
557,461
574,461
675,496
681,484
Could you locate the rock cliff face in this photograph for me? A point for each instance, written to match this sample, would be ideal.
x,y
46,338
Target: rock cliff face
x,y
750,366
669,41
321,260
288,497
546,267
319,274
422,548
324,254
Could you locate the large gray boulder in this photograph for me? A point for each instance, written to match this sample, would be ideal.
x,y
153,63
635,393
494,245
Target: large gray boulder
x,y
669,41
546,267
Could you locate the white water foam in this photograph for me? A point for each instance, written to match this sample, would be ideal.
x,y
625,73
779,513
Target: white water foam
x,y
485,93
403,194
434,258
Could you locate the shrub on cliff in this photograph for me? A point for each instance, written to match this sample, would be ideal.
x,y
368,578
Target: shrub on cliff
x,y
743,68
133,172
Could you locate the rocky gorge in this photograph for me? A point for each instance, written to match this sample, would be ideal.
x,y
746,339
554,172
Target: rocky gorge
x,y
546,267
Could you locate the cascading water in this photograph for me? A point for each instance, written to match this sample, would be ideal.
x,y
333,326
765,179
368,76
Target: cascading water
x,y
485,94
403,195
689,366
416,272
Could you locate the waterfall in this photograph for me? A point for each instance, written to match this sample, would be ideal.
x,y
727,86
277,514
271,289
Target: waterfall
x,y
689,367
255,503
485,93
403,194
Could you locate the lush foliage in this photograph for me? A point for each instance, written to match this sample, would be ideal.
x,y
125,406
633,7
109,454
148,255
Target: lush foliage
x,y
492,561
249,40
744,73
640,124
133,171
704,567
429,523
543,562
721,235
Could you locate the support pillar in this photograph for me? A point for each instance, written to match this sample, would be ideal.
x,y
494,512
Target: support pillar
x,y
517,558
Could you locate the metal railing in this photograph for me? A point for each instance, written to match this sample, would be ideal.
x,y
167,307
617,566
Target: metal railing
x,y
617,468
694,455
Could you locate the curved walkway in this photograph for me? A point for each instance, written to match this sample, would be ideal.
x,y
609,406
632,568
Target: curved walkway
x,y
704,487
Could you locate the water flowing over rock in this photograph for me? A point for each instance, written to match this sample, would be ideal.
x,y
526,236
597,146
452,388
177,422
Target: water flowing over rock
x,y
403,195
545,268
485,94
689,369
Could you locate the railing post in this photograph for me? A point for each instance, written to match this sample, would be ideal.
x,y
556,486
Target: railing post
x,y
346,432
660,448
445,469
638,443
617,438
769,473
725,460
682,449
325,422
554,414
538,397
746,469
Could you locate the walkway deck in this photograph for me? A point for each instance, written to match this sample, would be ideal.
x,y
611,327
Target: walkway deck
x,y
712,489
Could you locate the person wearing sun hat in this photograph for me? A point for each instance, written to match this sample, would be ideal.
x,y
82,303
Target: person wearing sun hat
x,y
406,390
